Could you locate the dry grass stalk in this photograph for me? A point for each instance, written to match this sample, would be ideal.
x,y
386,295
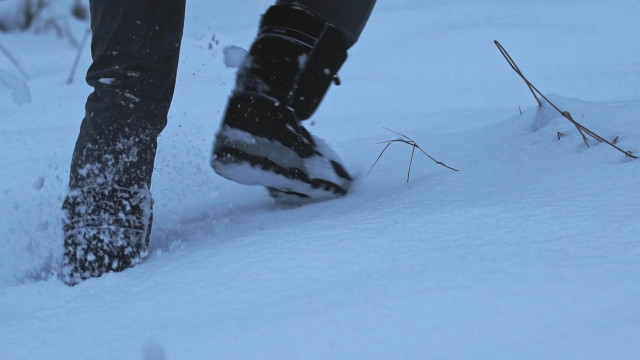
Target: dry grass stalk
x,y
406,140
14,61
77,59
581,128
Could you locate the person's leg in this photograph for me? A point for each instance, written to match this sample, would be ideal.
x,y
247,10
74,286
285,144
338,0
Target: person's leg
x,y
135,49
289,68
350,16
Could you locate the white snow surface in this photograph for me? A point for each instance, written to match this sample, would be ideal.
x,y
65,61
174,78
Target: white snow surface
x,y
530,251
19,90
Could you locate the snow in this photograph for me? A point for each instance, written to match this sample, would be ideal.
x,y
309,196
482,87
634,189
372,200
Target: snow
x,y
530,251
234,56
20,93
106,81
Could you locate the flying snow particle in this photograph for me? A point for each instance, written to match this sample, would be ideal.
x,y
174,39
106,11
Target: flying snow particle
x,y
234,56
302,60
39,183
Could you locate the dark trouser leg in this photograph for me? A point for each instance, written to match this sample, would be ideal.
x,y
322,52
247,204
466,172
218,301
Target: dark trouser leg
x,y
135,49
350,16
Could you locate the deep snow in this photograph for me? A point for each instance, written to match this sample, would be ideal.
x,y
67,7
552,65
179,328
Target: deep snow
x,y
530,251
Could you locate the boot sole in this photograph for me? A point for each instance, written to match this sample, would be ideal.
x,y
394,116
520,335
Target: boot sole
x,y
239,156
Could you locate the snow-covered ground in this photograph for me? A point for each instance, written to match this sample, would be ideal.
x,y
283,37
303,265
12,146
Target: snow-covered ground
x,y
530,251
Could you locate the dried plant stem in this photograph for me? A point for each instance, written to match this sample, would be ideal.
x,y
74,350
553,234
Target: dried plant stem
x,y
406,140
77,59
581,129
14,61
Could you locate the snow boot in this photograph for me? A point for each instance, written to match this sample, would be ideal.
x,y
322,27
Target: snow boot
x,y
105,229
285,75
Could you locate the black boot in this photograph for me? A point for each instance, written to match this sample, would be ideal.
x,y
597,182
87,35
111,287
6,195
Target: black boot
x,y
105,229
107,212
287,72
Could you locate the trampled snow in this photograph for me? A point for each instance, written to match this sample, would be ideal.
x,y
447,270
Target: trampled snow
x,y
530,251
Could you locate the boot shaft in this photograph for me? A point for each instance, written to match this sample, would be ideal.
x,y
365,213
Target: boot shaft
x,y
293,60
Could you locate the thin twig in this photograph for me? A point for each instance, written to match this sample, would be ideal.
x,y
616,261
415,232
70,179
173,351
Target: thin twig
x,y
413,151
77,59
14,62
406,140
379,156
68,33
581,128
515,68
